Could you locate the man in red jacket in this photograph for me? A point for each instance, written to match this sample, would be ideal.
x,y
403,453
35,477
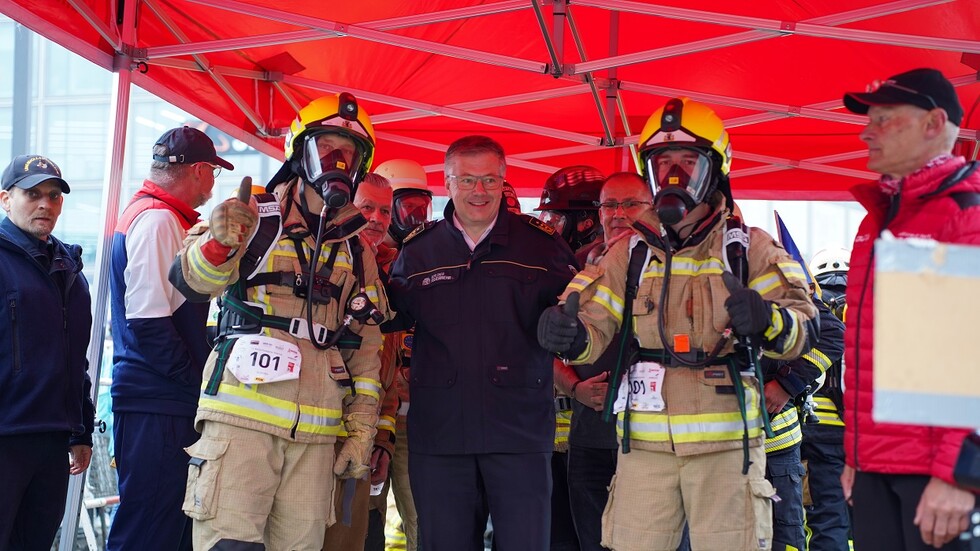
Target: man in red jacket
x,y
901,476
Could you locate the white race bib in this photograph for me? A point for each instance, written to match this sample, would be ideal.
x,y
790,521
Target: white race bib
x,y
643,387
259,359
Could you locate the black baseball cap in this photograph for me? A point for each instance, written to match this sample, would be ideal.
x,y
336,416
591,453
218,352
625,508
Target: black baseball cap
x,y
925,88
27,171
187,145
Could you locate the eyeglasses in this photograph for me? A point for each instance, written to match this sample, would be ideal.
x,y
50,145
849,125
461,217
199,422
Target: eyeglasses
x,y
467,183
874,86
215,168
612,206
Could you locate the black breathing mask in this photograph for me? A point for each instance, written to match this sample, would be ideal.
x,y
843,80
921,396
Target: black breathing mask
x,y
333,182
672,204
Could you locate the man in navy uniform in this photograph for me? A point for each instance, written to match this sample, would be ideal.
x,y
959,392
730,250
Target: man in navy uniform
x,y
482,420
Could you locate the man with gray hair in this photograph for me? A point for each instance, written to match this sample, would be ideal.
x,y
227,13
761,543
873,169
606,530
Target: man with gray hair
x,y
159,346
482,419
900,477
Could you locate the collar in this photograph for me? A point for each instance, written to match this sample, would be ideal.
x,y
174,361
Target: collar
x,y
190,215
450,214
892,186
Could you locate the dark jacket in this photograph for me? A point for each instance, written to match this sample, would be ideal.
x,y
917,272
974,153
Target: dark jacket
x,y
919,212
46,322
480,381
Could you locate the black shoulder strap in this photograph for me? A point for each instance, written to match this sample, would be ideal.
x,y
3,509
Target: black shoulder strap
x,y
270,228
966,199
953,179
633,272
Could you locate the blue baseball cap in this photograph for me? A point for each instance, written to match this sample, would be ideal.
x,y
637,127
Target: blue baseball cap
x,y
27,171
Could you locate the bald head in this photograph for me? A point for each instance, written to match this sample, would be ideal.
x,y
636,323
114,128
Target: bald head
x,y
632,197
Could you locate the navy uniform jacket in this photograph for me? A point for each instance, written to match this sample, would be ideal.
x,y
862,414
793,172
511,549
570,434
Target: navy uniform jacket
x,y
480,382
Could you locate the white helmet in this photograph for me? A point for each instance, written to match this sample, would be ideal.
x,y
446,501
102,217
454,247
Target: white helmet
x,y
830,260
411,201
403,174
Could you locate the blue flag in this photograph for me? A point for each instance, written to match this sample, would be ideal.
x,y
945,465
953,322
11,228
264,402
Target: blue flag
x,y
787,242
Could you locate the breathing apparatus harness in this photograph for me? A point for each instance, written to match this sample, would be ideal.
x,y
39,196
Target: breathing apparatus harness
x,y
736,243
237,316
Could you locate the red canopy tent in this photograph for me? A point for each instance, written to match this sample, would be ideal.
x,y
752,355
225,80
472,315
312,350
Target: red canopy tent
x,y
556,82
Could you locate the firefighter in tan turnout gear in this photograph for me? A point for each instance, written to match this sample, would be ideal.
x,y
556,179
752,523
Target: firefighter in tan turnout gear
x,y
703,297
296,358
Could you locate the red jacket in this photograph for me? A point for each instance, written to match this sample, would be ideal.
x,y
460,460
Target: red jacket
x,y
886,447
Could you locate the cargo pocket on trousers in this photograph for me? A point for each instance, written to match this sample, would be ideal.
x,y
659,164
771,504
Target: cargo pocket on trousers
x,y
761,494
201,496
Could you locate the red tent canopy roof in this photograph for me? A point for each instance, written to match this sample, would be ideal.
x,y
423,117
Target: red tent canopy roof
x,y
430,72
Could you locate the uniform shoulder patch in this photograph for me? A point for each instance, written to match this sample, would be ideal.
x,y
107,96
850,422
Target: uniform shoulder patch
x,y
538,224
421,228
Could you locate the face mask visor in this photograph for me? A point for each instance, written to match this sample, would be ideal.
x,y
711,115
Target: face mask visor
x,y
556,219
688,170
411,210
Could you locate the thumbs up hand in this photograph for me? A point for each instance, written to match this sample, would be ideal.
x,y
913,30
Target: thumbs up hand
x,y
559,329
750,313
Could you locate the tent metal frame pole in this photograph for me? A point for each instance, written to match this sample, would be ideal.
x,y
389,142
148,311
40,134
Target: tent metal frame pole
x,y
435,146
788,27
108,33
219,79
110,208
381,37
556,45
399,116
748,36
575,137
209,46
607,127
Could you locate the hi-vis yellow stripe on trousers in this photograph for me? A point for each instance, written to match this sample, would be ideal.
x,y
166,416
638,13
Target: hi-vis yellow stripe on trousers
x,y
245,401
693,428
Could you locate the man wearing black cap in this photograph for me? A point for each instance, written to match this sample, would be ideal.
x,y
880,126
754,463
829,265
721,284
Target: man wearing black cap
x,y
900,476
159,346
47,414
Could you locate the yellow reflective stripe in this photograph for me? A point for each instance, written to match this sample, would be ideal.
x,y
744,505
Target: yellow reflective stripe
x,y
686,266
822,402
786,429
775,324
368,386
580,282
372,292
826,411
386,422
202,268
819,359
243,402
784,441
649,427
765,283
610,301
784,421
793,271
314,420
714,427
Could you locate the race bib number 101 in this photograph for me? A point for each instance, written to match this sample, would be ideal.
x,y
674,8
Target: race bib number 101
x,y
643,388
259,359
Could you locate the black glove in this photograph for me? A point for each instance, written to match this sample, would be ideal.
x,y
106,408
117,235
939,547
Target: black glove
x,y
750,313
559,329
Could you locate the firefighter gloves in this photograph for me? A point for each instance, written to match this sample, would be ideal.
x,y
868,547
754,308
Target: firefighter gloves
x,y
750,313
559,329
232,222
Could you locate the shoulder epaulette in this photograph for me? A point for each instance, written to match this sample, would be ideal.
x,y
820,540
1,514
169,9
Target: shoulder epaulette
x,y
538,224
418,230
